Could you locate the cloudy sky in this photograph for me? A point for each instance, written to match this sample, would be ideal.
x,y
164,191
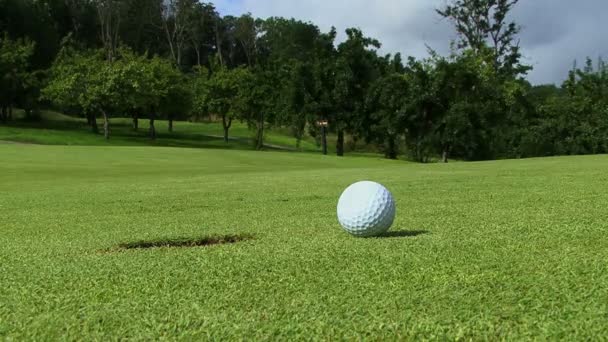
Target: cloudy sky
x,y
555,32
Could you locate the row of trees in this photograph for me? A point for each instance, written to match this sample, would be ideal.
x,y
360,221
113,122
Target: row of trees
x,y
179,59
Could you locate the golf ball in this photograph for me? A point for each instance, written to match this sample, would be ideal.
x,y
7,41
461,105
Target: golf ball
x,y
366,209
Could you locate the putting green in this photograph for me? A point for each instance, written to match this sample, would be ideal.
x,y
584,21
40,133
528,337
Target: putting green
x,y
496,250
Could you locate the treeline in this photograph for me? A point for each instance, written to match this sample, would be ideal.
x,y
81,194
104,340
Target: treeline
x,y
181,59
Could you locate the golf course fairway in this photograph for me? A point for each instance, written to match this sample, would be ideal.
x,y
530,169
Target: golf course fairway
x,y
512,249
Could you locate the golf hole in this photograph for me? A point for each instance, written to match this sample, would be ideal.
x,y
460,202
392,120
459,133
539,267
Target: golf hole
x,y
184,242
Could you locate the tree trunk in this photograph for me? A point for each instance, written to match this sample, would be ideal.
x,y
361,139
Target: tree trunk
x,y
324,139
170,123
445,154
418,151
198,56
179,55
391,151
340,144
226,126
299,135
260,136
135,121
109,19
152,128
106,125
94,126
218,43
3,114
10,112
170,41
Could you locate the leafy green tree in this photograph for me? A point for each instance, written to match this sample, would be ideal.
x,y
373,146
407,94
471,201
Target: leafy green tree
x,y
67,82
178,102
424,108
256,102
15,76
200,33
142,27
188,27
229,50
246,32
481,23
298,106
221,92
478,106
31,20
323,70
575,120
111,15
282,40
86,81
155,86
198,84
291,49
77,18
355,70
387,101
176,19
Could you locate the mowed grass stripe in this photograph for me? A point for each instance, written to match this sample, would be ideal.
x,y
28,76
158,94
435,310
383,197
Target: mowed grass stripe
x,y
508,249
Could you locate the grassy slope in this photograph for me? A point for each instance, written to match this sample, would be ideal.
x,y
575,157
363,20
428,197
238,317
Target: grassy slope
x,y
511,249
58,129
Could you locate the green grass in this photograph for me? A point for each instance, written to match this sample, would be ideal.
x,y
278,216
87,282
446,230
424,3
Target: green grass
x,y
59,129
499,250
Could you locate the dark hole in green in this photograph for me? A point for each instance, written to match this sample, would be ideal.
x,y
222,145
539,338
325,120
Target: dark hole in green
x,y
185,242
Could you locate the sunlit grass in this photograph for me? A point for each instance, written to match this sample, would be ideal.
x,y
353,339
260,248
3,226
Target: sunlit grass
x,y
479,251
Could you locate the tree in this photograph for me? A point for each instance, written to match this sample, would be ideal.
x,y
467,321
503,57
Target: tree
x,y
177,21
246,33
198,85
297,105
355,70
155,86
67,82
220,93
86,81
481,23
15,78
31,20
574,120
178,102
110,14
229,50
201,26
425,108
387,101
322,93
82,20
477,106
256,102
142,29
290,48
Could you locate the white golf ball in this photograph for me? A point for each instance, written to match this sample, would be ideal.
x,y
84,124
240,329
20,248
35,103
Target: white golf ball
x,y
366,209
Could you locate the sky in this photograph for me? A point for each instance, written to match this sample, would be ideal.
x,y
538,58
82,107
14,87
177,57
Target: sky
x,y
554,33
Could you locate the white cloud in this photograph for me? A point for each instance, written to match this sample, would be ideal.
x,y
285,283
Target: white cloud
x,y
554,32
402,26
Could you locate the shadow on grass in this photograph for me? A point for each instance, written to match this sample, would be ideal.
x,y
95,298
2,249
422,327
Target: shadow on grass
x,y
122,134
184,242
403,233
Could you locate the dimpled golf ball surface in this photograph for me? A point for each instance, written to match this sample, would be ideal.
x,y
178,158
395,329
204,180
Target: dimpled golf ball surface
x,y
366,209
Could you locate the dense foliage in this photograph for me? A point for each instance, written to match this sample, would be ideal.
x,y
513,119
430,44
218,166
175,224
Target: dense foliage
x,y
181,59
